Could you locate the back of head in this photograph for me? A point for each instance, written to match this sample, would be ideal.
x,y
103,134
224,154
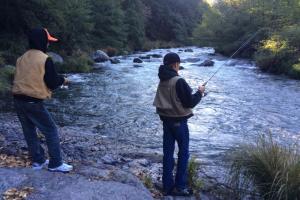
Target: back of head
x,y
37,38
171,58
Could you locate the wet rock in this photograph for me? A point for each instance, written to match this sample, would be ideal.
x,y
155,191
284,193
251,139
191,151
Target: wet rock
x,y
137,66
101,65
100,56
115,61
180,50
48,186
189,50
181,68
207,63
137,60
56,58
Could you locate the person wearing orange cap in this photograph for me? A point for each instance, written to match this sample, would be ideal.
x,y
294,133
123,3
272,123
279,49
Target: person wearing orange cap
x,y
35,79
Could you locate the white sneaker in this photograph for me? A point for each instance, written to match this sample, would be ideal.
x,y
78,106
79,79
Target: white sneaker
x,y
65,168
38,166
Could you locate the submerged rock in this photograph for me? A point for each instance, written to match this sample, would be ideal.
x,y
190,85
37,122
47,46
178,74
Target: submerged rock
x,y
137,60
100,56
145,57
188,50
137,66
155,55
56,58
115,61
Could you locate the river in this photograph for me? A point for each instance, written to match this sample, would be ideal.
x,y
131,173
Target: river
x,y
116,101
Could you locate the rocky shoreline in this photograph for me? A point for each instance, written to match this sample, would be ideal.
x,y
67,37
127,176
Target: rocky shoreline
x,y
98,161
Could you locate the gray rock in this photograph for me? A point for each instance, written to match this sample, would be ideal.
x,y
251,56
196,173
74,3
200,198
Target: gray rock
x,y
207,63
56,58
115,61
137,60
49,186
100,56
181,68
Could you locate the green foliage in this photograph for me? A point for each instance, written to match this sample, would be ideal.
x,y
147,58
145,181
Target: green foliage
x,y
6,78
229,23
78,62
271,168
193,178
295,71
275,55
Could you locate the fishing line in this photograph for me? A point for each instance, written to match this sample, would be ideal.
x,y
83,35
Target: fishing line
x,y
237,51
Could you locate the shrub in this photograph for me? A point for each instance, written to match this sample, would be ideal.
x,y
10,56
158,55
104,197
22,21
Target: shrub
x,y
6,78
295,71
79,63
272,169
275,55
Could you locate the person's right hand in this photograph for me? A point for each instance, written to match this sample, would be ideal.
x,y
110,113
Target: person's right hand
x,y
66,81
201,89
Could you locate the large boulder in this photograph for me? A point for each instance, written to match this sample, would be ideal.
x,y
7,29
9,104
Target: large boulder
x,y
137,60
207,63
100,56
56,58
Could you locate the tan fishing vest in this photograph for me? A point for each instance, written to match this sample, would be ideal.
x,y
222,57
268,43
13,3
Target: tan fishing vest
x,y
167,102
29,75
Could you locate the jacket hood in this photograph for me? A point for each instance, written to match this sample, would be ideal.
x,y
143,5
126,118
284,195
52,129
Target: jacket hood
x,y
166,72
38,39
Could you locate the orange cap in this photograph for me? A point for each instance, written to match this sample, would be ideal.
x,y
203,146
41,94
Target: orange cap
x,y
50,38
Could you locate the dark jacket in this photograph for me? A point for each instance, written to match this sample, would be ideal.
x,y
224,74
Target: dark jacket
x,y
183,90
38,40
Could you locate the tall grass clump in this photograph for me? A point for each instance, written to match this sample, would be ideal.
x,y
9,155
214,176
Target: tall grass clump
x,y
194,182
271,169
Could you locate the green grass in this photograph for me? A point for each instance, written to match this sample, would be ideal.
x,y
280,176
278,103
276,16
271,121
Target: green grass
x,y
6,78
269,168
194,181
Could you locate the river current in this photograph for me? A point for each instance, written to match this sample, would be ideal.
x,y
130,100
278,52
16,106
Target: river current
x,y
242,102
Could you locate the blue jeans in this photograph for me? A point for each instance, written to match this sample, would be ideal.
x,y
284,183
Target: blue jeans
x,y
34,115
179,132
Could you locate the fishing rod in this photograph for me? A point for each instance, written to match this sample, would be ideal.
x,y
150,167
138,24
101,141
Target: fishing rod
x,y
237,51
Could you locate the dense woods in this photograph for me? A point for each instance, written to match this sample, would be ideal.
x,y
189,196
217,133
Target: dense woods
x,y
86,25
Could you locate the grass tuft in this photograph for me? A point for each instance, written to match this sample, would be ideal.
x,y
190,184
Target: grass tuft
x,y
271,169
